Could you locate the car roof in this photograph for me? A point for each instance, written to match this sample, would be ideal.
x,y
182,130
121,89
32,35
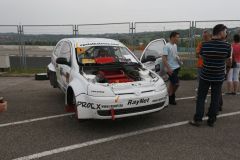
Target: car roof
x,y
84,42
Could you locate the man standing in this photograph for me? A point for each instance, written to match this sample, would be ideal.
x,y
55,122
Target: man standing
x,y
172,62
214,53
206,36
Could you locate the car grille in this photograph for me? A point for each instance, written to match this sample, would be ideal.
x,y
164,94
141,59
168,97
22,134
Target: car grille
x,y
130,110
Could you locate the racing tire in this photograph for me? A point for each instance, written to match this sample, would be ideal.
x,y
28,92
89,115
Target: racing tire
x,y
71,101
53,78
41,76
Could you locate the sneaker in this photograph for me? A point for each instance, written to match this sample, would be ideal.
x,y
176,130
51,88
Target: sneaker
x,y
172,100
220,108
205,100
211,122
173,103
195,123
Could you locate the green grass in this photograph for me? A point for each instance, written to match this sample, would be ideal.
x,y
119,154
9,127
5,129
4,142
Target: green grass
x,y
188,73
26,71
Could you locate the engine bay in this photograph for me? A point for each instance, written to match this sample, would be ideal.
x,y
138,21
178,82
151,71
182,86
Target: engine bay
x,y
116,74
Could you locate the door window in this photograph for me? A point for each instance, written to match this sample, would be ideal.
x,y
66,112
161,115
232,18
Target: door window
x,y
65,51
153,51
57,49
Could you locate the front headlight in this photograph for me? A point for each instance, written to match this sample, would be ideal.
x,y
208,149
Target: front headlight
x,y
160,85
154,76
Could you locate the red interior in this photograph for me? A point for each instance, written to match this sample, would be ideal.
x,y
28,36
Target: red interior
x,y
115,76
104,60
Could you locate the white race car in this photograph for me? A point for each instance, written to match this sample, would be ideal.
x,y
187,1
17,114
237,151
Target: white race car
x,y
103,79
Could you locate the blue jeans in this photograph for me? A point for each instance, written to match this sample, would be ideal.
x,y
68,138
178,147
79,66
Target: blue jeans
x,y
203,87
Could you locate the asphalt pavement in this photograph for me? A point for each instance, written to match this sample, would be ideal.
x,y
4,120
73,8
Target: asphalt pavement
x,y
29,130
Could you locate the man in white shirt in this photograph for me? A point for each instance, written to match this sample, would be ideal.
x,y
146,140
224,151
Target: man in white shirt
x,y
172,62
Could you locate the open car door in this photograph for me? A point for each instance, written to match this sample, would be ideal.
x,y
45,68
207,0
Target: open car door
x,y
152,57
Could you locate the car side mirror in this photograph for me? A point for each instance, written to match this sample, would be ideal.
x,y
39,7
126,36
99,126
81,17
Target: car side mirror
x,y
157,68
62,60
150,58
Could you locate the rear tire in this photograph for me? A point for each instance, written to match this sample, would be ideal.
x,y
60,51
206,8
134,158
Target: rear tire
x,y
53,78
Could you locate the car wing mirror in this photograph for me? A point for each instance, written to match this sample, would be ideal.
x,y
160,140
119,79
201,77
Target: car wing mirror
x,y
63,61
151,58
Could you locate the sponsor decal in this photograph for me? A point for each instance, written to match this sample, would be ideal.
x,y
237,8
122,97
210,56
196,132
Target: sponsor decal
x,y
159,100
117,99
66,75
140,101
89,105
80,50
93,43
88,61
97,91
97,106
112,106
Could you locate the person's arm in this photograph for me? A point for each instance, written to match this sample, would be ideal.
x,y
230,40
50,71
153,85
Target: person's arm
x,y
198,49
165,63
229,61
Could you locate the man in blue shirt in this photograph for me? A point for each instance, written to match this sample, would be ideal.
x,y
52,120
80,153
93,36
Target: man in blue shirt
x,y
172,62
215,53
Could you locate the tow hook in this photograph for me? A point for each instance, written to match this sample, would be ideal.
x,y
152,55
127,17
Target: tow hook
x,y
113,114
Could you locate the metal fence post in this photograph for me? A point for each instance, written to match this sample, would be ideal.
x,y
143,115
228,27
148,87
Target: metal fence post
x,y
19,44
132,30
194,33
21,47
192,37
75,30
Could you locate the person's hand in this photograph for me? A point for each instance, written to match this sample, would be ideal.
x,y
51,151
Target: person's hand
x,y
229,62
170,72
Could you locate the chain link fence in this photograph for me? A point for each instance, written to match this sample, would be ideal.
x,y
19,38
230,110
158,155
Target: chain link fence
x,y
10,45
145,32
199,26
38,42
30,46
117,31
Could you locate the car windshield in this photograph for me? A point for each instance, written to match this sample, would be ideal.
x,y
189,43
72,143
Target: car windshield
x,y
104,55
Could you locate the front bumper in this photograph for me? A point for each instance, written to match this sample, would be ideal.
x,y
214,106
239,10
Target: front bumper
x,y
90,107
131,110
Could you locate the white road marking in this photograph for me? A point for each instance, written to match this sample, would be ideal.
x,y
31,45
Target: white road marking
x,y
184,98
34,120
193,97
112,138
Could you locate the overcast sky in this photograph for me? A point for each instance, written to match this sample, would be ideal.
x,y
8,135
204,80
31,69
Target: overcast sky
x,y
108,11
